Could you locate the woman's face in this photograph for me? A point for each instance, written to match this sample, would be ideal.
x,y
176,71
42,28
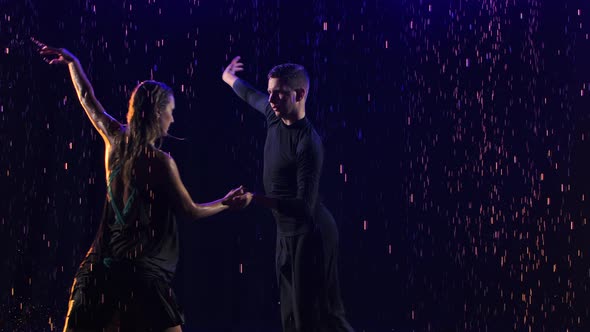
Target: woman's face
x,y
166,118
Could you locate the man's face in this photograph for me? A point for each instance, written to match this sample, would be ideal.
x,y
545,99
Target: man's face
x,y
281,97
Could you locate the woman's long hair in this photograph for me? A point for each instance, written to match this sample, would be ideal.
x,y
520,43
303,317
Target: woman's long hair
x,y
143,125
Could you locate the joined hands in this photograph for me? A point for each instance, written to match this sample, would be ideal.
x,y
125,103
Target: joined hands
x,y
238,198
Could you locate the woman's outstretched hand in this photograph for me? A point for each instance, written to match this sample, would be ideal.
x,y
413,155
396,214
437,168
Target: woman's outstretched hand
x,y
54,55
237,199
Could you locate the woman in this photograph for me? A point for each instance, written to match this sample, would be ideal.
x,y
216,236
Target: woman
x,y
123,283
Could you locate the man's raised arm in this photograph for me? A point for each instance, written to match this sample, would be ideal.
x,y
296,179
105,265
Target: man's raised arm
x,y
249,94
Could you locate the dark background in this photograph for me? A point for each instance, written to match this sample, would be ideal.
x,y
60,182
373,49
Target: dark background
x,y
456,131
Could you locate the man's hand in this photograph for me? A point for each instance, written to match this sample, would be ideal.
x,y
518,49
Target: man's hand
x,y
229,74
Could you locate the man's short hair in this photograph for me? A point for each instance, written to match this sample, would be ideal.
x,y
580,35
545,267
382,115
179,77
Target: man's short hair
x,y
294,75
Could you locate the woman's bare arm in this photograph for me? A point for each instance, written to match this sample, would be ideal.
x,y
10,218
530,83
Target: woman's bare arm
x,y
183,201
106,125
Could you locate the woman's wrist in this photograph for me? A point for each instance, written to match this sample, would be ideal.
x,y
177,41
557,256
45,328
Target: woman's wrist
x,y
222,203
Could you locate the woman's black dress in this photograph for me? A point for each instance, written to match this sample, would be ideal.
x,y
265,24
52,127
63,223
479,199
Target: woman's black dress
x,y
125,277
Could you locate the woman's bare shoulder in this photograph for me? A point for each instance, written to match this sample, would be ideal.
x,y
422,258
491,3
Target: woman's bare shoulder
x,y
162,160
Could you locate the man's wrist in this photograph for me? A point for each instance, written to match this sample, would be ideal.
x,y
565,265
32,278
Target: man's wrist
x,y
230,79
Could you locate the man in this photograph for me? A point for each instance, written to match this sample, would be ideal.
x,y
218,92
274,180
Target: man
x,y
307,236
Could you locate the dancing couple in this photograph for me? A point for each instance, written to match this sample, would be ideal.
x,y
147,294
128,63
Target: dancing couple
x,y
124,281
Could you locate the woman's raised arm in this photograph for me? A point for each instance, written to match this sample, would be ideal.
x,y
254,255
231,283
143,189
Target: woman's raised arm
x,y
105,124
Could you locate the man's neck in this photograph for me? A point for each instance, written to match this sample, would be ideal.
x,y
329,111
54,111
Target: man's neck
x,y
294,117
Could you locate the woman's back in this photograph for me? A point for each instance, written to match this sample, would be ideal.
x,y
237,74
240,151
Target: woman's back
x,y
138,226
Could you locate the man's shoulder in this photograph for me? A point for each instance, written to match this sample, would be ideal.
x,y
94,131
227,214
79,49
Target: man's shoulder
x,y
311,134
310,140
